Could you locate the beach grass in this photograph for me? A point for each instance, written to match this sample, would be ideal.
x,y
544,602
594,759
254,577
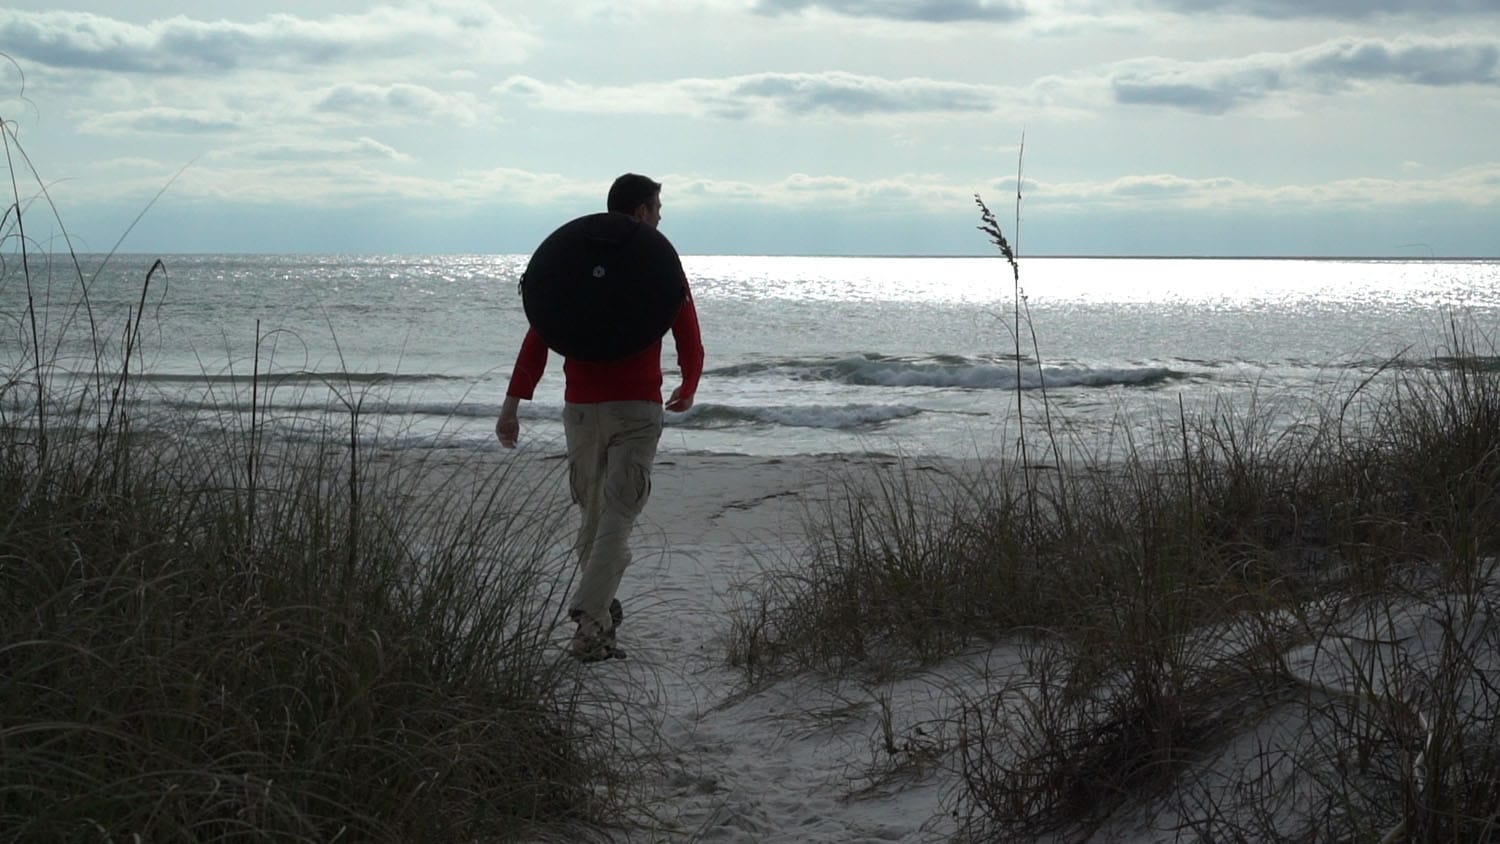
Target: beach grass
x,y
209,633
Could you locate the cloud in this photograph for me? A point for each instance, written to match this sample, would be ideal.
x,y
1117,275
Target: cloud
x,y
1335,9
336,107
1218,86
763,95
848,94
1208,93
325,181
1419,62
802,190
164,120
925,11
1477,186
1170,187
399,103
314,151
181,45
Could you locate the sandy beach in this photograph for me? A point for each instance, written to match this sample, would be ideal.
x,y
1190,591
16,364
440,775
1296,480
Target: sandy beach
x,y
816,758
782,764
789,762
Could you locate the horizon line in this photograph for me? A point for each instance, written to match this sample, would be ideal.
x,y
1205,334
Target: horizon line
x,y
888,255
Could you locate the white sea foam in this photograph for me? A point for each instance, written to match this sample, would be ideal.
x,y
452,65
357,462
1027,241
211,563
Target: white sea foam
x,y
873,370
794,416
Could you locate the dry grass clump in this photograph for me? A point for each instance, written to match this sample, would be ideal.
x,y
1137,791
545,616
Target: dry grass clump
x,y
167,673
1384,726
915,563
213,635
1427,476
190,657
904,564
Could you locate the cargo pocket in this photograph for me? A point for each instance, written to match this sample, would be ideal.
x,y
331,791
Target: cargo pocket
x,y
629,487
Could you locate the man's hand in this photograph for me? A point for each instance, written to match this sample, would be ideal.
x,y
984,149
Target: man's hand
x,y
508,426
678,404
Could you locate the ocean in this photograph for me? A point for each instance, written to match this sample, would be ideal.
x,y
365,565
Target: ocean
x,y
805,355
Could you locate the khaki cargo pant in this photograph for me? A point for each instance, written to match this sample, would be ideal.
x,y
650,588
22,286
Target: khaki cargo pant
x,y
611,446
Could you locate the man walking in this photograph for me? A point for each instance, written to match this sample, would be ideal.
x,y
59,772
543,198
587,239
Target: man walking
x,y
612,421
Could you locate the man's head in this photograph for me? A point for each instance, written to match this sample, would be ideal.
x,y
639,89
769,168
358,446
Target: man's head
x,y
637,196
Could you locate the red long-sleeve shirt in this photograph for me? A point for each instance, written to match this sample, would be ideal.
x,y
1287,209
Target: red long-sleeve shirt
x,y
636,378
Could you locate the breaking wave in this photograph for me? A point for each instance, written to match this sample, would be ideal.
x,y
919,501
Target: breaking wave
x,y
841,417
948,371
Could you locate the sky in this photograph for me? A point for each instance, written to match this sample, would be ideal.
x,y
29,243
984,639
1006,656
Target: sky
x,y
804,127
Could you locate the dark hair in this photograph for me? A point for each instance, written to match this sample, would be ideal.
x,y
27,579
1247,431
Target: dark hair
x,y
630,192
